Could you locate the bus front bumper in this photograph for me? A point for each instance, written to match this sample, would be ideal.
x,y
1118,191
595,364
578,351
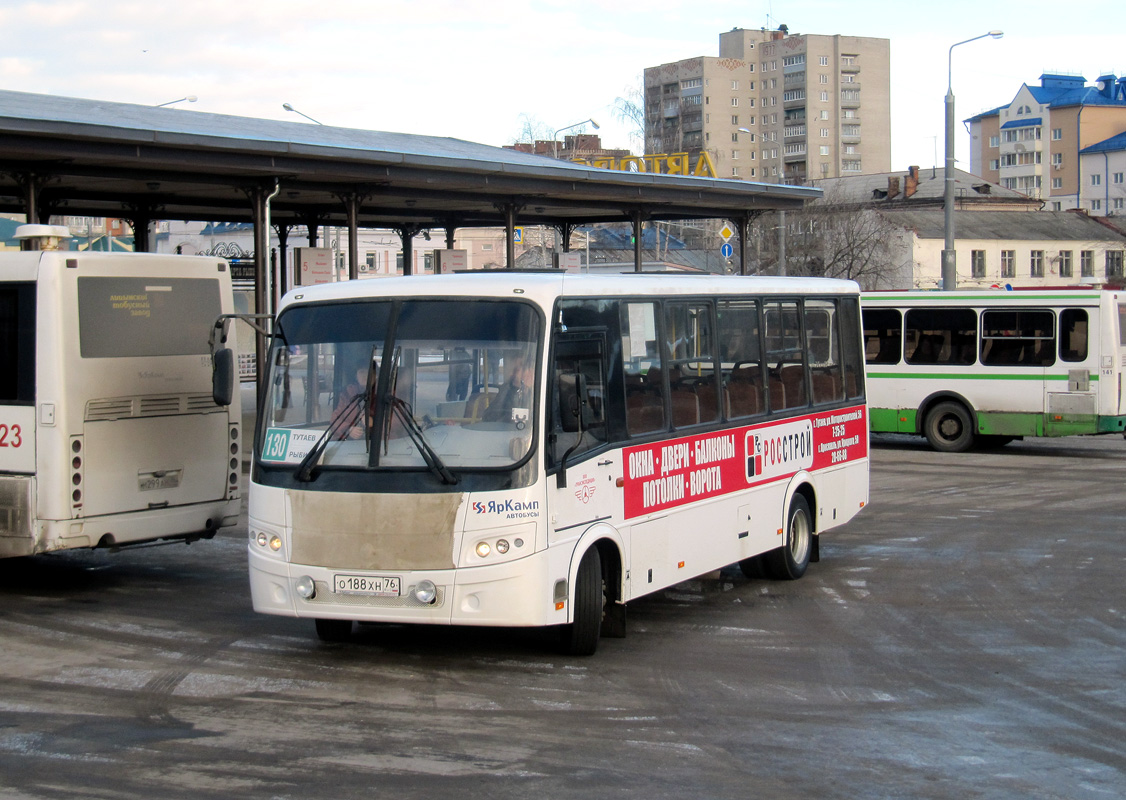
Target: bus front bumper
x,y
518,593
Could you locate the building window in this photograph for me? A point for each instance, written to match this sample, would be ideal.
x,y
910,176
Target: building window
x,y
1065,263
1057,183
1096,179
1008,263
734,119
1118,204
977,263
734,101
994,141
848,79
734,155
1057,158
1036,264
734,172
1114,263
848,60
1057,134
824,61
1057,205
824,133
752,168
824,149
1118,177
1096,205
824,97
751,67
824,114
735,85
692,83
850,130
852,165
1087,263
735,137
823,78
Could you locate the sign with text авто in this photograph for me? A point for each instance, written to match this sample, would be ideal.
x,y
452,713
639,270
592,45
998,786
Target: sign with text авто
x,y
661,163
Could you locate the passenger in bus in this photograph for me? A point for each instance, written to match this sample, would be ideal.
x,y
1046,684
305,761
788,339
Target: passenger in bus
x,y
347,411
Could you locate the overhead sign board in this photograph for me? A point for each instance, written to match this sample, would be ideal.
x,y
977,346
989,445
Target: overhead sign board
x,y
660,163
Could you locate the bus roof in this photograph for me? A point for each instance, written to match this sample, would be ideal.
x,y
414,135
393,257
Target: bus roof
x,y
1086,295
544,286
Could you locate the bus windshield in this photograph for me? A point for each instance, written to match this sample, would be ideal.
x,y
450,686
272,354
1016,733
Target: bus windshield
x,y
402,384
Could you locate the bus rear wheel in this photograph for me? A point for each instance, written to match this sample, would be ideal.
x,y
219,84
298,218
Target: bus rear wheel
x,y
580,638
334,630
948,427
789,562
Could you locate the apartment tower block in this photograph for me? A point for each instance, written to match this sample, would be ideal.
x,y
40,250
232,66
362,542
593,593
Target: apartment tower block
x,y
776,107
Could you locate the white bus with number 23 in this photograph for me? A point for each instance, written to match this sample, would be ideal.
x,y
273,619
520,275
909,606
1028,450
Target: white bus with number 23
x,y
109,435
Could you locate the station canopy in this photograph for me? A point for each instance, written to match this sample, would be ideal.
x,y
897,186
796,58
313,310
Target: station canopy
x,y
76,157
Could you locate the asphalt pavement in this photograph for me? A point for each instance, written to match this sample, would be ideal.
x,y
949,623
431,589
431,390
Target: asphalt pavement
x,y
964,637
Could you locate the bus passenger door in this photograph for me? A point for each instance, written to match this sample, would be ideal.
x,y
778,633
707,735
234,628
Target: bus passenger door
x,y
583,488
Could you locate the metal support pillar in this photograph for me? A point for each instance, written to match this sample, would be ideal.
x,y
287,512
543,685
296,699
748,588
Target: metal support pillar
x,y
742,226
259,197
283,257
407,234
31,184
565,231
637,221
352,202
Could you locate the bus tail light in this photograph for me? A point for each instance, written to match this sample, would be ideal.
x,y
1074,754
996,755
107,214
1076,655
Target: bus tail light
x,y
233,475
76,475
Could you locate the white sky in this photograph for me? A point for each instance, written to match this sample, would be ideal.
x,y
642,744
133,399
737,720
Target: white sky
x,y
475,70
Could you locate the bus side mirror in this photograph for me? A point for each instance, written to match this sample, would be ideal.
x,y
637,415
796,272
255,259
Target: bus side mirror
x,y
223,376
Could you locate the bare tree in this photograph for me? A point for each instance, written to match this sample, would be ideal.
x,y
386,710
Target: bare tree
x,y
833,239
630,111
532,129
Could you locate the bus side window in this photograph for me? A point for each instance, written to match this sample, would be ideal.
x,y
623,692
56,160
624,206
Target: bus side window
x,y
578,383
740,359
823,351
883,332
852,346
693,398
785,362
941,336
643,369
1073,334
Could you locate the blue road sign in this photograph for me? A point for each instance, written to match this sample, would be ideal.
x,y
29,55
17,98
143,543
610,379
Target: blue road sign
x,y
726,250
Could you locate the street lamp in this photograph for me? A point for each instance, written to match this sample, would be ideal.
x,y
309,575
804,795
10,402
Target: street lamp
x,y
288,107
949,255
191,98
555,136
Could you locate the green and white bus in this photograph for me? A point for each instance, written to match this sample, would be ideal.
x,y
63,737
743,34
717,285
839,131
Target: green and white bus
x,y
986,367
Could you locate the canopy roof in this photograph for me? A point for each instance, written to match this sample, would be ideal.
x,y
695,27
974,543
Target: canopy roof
x,y
95,158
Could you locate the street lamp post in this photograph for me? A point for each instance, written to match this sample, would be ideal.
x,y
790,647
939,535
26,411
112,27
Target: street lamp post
x,y
555,136
949,255
191,98
288,107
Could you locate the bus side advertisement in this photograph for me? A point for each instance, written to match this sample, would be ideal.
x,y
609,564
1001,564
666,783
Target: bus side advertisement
x,y
672,473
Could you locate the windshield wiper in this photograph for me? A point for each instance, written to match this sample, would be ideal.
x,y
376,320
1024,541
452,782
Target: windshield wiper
x,y
428,453
344,419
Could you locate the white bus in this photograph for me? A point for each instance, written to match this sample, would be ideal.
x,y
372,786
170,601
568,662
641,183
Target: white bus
x,y
985,367
108,432
521,449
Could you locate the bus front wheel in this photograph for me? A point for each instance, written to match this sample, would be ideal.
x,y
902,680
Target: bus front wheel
x,y
788,562
948,427
580,638
334,630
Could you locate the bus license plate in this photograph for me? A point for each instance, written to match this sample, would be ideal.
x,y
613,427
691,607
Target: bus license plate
x,y
158,480
372,585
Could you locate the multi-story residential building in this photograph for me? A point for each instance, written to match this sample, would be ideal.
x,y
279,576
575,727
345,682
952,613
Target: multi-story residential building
x,y
1033,144
1102,177
776,106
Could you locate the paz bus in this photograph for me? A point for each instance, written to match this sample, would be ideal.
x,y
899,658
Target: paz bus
x,y
108,432
986,367
529,449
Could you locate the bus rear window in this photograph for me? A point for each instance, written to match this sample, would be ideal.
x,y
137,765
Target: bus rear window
x,y
17,343
133,317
